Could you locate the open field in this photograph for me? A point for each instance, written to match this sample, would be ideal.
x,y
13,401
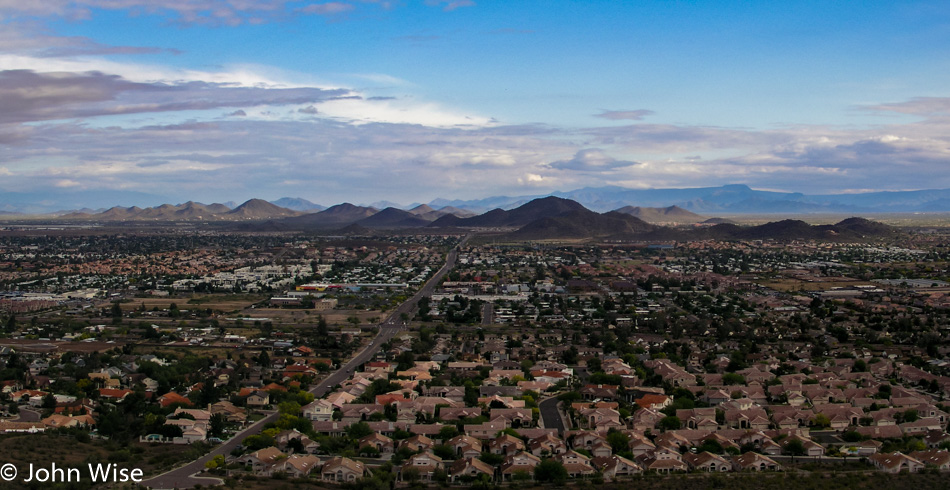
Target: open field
x,y
228,302
797,285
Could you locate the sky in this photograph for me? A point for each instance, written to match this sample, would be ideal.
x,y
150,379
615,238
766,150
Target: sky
x,y
408,101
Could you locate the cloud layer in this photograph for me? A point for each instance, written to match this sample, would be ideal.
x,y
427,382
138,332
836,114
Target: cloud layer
x,y
76,113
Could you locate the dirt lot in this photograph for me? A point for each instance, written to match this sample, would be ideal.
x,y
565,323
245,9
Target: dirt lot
x,y
67,452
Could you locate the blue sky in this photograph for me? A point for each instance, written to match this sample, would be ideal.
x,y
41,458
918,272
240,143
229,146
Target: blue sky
x,y
216,100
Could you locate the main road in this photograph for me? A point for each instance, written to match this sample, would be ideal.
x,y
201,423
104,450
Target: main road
x,y
184,476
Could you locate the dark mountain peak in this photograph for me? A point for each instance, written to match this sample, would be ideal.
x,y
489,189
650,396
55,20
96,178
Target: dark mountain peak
x,y
345,208
855,221
865,227
393,218
545,207
583,224
550,203
448,220
332,217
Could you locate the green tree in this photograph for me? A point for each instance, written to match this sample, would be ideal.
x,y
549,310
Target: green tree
x,y
49,401
216,425
794,448
670,422
911,415
550,470
821,420
733,379
358,430
619,442
322,329
216,462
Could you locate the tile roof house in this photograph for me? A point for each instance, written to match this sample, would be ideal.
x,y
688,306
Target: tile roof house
x,y
342,470
520,462
470,467
707,462
424,463
262,461
895,462
754,462
614,466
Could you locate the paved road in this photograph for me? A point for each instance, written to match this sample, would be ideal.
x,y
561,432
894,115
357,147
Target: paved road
x,y
551,416
28,415
182,477
488,313
408,307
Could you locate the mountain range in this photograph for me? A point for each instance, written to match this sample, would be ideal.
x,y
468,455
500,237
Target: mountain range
x,y
722,200
729,199
543,218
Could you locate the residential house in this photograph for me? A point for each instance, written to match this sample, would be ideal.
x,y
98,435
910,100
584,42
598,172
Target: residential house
x,y
707,462
470,468
751,461
262,461
522,463
896,462
343,470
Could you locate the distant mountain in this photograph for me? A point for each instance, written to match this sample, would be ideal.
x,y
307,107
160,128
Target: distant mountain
x,y
332,217
62,202
260,209
421,209
297,204
385,204
849,230
671,214
865,227
461,213
218,208
727,199
390,218
718,221
479,206
734,198
120,213
426,212
163,212
547,207
447,221
253,209
583,224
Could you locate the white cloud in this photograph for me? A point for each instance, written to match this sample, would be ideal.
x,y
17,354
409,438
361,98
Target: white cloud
x,y
591,160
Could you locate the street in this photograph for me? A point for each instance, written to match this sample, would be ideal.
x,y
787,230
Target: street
x,y
183,476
